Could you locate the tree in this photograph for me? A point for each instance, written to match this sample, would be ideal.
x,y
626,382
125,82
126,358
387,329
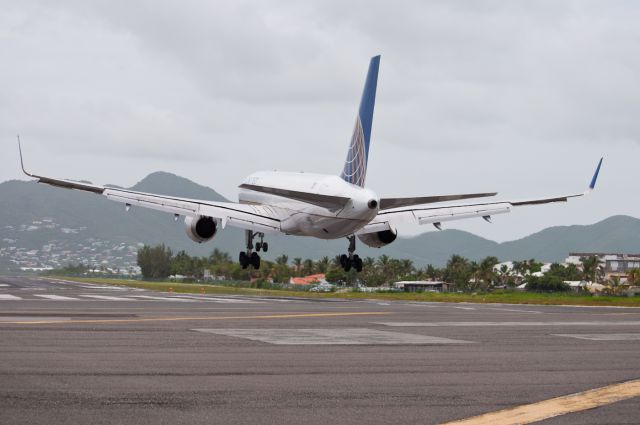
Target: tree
x,y
533,266
569,272
458,271
520,267
297,263
546,283
307,267
633,277
504,274
154,262
219,257
591,269
182,264
384,267
485,272
432,273
282,260
322,265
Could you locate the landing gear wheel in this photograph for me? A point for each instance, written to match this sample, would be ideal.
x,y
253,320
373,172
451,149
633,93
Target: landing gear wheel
x,y
243,259
255,260
258,246
265,246
345,262
357,263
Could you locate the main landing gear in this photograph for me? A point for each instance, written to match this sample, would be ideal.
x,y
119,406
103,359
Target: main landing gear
x,y
251,258
351,260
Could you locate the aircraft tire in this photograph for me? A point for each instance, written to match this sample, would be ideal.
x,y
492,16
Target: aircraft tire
x,y
255,260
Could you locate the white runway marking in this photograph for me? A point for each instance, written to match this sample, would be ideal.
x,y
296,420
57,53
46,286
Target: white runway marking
x,y
7,297
149,297
228,300
108,298
434,324
4,284
31,318
57,297
345,336
465,308
603,337
108,288
515,310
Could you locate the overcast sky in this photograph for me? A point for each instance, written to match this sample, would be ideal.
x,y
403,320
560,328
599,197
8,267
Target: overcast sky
x,y
521,98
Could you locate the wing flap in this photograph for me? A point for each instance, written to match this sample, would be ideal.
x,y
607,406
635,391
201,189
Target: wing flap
x,y
460,213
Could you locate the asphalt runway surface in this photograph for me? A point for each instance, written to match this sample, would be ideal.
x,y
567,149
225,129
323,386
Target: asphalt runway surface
x,y
86,353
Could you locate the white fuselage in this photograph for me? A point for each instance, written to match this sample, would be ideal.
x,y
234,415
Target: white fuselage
x,y
306,219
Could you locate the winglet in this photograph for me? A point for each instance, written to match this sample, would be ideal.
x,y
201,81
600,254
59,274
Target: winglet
x,y
21,161
592,185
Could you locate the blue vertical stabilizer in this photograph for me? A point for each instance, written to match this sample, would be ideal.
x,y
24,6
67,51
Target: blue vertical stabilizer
x,y
355,167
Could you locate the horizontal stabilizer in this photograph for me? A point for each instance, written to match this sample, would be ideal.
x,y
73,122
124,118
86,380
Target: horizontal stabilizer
x,y
388,203
324,201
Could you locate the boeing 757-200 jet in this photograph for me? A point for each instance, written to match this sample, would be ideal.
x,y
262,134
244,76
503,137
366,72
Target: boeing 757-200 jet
x,y
318,205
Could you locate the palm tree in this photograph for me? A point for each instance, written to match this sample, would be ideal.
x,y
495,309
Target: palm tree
x,y
384,265
504,273
590,268
633,277
432,273
458,271
297,264
307,267
282,260
406,267
520,267
485,272
322,265
219,257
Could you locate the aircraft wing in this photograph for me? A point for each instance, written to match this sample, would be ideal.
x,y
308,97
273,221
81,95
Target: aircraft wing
x,y
425,214
252,217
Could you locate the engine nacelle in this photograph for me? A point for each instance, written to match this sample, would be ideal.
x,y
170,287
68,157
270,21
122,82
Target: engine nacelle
x,y
200,229
378,239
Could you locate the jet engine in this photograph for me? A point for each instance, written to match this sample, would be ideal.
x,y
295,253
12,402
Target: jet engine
x,y
200,229
378,239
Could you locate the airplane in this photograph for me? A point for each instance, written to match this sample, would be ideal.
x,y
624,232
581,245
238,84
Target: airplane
x,y
316,205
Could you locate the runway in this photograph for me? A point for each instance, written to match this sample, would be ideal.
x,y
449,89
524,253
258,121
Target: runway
x,y
88,353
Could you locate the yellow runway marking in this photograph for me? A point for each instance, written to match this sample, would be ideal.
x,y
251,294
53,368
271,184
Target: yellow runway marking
x,y
556,406
178,319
